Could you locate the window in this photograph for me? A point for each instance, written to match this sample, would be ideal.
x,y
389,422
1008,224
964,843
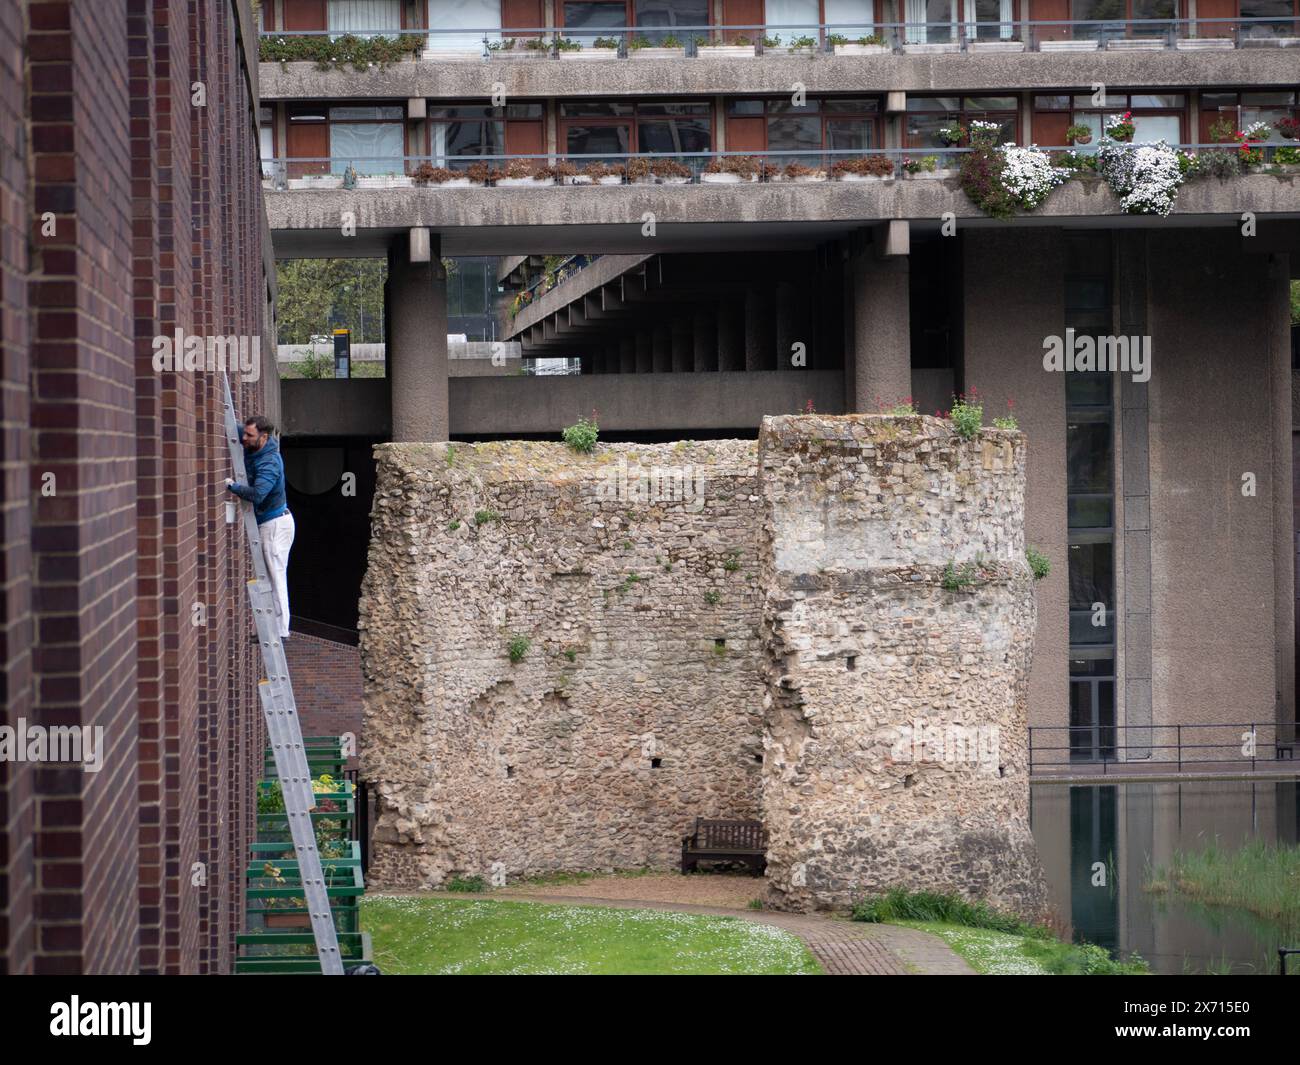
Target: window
x,y
926,114
369,139
850,18
1242,109
266,139
1283,11
1156,116
364,17
930,21
821,123
465,130
585,20
1113,17
611,128
452,26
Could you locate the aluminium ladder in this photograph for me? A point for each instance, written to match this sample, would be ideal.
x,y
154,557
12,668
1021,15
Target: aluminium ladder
x,y
282,728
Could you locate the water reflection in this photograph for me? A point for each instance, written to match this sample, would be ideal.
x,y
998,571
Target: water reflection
x,y
1099,843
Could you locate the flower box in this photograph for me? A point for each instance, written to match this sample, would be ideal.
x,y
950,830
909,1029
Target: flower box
x,y
1135,44
648,179
806,51
1270,42
609,179
657,53
452,55
317,181
935,48
523,182
589,53
726,179
579,179
1204,44
861,49
1068,46
864,177
726,49
674,181
454,183
996,46
387,181
923,175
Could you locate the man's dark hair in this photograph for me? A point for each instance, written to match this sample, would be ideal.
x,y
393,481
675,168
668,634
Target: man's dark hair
x,y
262,423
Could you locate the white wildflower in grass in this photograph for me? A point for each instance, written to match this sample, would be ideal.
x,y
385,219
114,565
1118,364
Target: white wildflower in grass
x,y
1028,175
1144,176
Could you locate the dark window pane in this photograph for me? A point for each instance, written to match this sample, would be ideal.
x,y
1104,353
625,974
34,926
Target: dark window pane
x,y
670,14
991,103
788,134
1090,512
1051,103
850,134
524,111
674,136
584,19
744,107
1088,456
594,109
598,140
933,103
1092,667
1083,632
854,106
1092,578
674,109
1170,101
1087,390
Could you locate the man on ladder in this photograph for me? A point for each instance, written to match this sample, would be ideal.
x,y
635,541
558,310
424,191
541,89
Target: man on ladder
x,y
266,491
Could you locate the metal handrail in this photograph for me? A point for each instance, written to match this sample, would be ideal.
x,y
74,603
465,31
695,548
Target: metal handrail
x,y
1283,739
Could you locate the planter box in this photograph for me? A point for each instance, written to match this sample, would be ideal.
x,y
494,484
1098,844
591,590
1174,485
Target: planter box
x,y
454,183
806,52
996,46
864,177
930,175
674,181
609,179
391,181
452,55
657,53
1205,44
649,179
591,53
317,181
726,179
523,182
861,49
1068,46
932,49
726,49
1136,44
1271,42
579,179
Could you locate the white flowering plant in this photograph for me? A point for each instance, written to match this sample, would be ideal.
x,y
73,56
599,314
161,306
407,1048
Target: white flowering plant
x,y
984,133
1145,177
1256,131
1029,176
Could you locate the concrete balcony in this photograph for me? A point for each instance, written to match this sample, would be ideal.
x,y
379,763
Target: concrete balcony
x,y
611,219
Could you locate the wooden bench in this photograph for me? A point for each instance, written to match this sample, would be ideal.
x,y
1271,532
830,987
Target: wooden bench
x,y
726,841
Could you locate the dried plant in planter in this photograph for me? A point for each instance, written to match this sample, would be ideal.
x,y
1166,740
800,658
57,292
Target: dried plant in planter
x,y
478,173
596,171
798,170
560,171
669,168
519,168
428,174
637,168
745,166
866,166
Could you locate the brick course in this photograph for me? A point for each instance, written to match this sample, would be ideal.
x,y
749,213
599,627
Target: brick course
x,y
157,211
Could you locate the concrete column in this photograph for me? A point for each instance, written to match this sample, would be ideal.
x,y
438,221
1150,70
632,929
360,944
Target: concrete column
x,y
1013,294
683,345
644,352
663,348
731,335
882,336
417,343
760,329
704,341
1277,296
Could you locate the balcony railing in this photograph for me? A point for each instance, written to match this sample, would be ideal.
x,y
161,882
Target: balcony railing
x,y
684,168
1246,747
1021,35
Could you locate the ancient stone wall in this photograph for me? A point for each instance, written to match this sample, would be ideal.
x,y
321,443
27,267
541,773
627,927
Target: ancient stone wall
x,y
896,719
762,632
635,706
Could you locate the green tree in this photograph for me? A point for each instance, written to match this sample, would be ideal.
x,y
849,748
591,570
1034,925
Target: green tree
x,y
318,295
1295,302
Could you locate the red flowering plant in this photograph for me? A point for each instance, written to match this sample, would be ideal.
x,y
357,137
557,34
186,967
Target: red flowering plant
x,y
1250,144
896,408
1122,128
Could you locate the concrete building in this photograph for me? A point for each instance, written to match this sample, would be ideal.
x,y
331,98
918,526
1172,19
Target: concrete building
x,y
1164,503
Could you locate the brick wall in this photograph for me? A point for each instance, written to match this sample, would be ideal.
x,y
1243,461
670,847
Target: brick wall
x,y
327,685
122,599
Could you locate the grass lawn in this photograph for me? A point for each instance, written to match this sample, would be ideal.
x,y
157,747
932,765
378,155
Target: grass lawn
x,y
993,953
435,935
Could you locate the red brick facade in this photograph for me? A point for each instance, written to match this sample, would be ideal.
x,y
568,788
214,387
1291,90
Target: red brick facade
x,y
327,686
131,207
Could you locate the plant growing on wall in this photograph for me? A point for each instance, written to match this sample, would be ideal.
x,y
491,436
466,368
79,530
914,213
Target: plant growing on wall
x,y
582,435
1039,564
958,578
517,647
1008,420
967,414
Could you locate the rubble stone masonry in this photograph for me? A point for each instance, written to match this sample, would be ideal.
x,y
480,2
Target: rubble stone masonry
x,y
705,630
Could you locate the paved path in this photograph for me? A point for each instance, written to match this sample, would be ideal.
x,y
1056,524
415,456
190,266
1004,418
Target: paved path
x,y
844,948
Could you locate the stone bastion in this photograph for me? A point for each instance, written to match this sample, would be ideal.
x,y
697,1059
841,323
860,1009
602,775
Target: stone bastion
x,y
569,657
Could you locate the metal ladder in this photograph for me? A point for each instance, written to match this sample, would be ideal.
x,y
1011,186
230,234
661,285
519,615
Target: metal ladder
x,y
282,728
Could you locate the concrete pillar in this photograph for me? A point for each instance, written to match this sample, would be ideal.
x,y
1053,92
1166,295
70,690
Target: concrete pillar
x,y
683,345
644,352
731,335
663,348
760,329
882,336
417,343
704,341
1277,295
1013,295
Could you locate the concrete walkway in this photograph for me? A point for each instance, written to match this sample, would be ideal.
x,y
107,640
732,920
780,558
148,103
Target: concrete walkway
x,y
844,948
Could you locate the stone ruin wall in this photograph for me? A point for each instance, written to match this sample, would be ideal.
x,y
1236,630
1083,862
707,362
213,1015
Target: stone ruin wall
x,y
624,720
817,557
896,749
